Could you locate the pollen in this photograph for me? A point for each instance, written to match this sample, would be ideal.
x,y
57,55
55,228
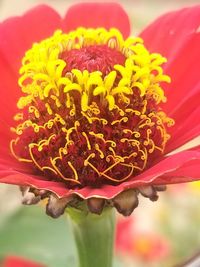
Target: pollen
x,y
90,112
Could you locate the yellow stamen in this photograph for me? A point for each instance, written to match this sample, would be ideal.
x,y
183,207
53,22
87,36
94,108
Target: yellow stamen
x,y
73,169
87,140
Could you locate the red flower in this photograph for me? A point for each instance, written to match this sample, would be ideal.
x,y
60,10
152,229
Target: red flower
x,y
144,245
174,35
13,261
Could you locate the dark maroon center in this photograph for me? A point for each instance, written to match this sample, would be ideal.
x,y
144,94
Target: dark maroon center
x,y
93,58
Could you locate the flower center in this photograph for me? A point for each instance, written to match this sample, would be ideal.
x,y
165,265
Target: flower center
x,y
90,114
93,58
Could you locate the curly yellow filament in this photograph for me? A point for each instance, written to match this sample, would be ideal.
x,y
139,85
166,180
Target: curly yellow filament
x,y
87,140
12,144
74,170
53,162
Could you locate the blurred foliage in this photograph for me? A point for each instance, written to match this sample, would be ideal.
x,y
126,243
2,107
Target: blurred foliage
x,y
30,233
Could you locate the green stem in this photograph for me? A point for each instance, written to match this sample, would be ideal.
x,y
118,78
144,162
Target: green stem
x,y
94,236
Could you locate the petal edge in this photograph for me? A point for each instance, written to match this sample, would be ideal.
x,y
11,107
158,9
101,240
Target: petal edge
x,y
100,14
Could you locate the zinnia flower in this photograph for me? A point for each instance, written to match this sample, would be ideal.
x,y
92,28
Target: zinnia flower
x,y
94,109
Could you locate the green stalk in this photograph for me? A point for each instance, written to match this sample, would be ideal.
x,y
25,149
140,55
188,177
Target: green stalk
x,y
94,237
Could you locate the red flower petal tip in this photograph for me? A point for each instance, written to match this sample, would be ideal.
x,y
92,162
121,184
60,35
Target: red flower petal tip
x,y
94,15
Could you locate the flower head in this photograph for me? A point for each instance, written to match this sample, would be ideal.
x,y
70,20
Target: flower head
x,y
90,113
92,121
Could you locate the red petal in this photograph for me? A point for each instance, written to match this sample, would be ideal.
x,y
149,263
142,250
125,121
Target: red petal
x,y
165,172
14,172
184,95
9,163
169,32
176,35
10,176
17,34
124,226
93,15
184,130
14,261
179,168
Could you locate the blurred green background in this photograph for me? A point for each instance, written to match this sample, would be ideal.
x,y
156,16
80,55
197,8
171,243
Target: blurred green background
x,y
173,221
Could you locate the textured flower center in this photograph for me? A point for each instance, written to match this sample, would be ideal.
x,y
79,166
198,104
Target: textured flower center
x,y
93,58
90,113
